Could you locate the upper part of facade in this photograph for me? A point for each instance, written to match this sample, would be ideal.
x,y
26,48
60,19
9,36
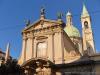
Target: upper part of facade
x,y
56,41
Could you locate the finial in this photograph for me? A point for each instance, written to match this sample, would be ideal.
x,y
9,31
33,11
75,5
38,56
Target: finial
x,y
59,15
27,22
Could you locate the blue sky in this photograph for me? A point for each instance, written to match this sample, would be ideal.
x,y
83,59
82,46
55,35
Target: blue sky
x,y
14,12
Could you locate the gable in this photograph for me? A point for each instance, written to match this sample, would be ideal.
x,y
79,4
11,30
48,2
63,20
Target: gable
x,y
41,24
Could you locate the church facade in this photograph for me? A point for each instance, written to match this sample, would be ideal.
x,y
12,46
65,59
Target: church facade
x,y
52,47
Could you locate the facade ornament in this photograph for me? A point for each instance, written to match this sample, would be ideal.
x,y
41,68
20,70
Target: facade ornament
x,y
27,22
24,36
42,23
42,11
59,15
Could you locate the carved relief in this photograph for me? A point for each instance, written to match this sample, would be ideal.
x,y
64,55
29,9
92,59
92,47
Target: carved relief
x,y
42,70
73,53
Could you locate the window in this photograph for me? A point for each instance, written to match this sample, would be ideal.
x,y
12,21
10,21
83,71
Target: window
x,y
86,25
41,49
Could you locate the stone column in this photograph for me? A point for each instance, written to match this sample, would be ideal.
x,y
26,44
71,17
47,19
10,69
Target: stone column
x,y
32,41
53,47
35,44
33,47
23,55
30,46
59,48
50,49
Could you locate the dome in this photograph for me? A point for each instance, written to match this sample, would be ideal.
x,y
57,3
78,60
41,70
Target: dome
x,y
72,31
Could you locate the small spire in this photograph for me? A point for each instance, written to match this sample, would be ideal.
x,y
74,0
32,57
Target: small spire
x,y
42,12
7,55
85,11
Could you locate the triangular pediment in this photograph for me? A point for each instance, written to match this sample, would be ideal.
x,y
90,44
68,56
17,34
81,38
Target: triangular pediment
x,y
41,24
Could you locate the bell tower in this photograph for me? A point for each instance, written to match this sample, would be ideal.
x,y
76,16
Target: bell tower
x,y
88,40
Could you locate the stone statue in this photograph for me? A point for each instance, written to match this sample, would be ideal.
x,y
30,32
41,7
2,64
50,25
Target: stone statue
x,y
27,22
59,15
41,70
42,11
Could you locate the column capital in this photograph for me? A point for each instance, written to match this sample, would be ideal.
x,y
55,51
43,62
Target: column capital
x,y
25,38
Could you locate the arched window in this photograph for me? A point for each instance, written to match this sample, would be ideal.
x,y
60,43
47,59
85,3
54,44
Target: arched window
x,y
41,49
86,25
